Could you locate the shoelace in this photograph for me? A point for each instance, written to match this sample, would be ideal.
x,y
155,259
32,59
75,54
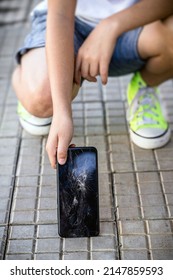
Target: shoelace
x,y
146,99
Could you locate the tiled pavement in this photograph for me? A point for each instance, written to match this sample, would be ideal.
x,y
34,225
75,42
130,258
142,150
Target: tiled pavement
x,y
136,186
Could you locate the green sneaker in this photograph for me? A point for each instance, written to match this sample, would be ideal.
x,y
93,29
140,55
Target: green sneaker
x,y
32,124
148,126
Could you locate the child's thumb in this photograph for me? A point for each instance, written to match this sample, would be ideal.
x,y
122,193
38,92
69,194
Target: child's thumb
x,y
62,151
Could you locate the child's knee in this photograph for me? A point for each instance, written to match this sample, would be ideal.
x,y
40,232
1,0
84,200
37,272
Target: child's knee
x,y
35,97
40,101
156,40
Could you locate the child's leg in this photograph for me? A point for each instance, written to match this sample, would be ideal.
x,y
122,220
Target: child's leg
x,y
150,51
148,125
156,45
30,78
31,84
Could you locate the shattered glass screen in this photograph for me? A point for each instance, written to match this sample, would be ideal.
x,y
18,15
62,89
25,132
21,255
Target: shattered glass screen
x,y
78,209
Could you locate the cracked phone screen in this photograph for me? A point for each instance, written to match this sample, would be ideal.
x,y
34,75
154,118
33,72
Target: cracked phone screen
x,y
78,209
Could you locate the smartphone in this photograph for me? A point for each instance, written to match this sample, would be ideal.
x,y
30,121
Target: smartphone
x,y
78,193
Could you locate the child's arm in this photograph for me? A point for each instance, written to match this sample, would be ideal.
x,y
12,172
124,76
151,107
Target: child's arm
x,y
94,56
60,58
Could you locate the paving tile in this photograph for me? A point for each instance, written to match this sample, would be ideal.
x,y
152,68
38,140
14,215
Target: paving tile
x,y
135,255
127,200
20,246
48,203
78,122
78,131
150,188
47,231
27,181
28,170
107,228
10,129
159,226
48,192
48,170
18,257
168,187
22,217
165,164
121,166
106,214
118,120
22,232
104,184
164,154
6,169
125,179
164,241
78,114
47,216
3,217
145,165
170,199
129,213
125,183
103,255
162,254
7,161
131,227
120,156
141,155
79,141
24,204
105,200
117,129
48,180
167,176
75,256
155,212
4,204
148,177
133,241
152,199
48,256
94,130
48,245
76,244
2,231
103,243
25,192
96,122
98,141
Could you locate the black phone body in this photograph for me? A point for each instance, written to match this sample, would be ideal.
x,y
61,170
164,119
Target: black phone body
x,y
78,195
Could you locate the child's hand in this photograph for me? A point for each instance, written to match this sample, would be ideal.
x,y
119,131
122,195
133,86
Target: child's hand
x,y
95,54
59,139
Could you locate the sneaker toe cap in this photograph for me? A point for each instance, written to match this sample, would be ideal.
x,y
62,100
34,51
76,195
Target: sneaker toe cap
x,y
150,132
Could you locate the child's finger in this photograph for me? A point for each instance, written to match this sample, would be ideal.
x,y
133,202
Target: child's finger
x,y
63,145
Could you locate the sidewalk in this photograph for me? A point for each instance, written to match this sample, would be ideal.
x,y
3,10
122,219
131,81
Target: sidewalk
x,y
136,186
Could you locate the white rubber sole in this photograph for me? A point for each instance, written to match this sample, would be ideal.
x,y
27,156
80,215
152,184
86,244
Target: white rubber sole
x,y
150,143
38,130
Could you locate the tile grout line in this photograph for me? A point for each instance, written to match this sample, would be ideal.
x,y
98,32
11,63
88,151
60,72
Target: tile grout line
x,y
11,197
116,229
148,240
162,186
137,183
41,160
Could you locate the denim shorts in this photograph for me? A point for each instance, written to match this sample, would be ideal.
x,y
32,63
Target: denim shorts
x,y
125,57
